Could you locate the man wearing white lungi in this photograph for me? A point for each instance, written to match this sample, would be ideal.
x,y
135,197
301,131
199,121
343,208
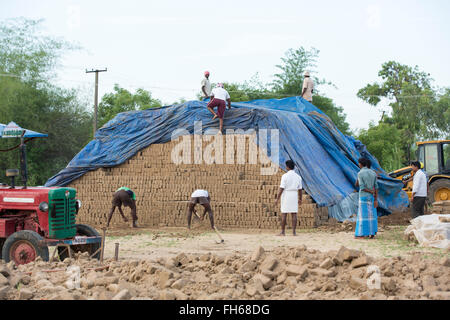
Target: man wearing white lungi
x,y
291,196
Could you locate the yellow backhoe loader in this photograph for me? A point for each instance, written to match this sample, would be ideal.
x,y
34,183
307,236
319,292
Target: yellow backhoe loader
x,y
435,157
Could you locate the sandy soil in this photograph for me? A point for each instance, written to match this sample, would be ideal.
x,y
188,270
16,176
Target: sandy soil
x,y
151,243
170,263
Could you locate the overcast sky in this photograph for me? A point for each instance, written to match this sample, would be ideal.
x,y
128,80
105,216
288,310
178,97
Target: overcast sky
x,y
164,46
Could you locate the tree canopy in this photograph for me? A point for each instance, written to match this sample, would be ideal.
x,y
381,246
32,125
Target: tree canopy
x,y
418,111
27,53
288,82
27,59
295,62
385,143
122,100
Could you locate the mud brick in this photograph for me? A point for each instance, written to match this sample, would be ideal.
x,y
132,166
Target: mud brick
x,y
241,196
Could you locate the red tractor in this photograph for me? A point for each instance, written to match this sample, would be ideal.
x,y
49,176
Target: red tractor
x,y
34,218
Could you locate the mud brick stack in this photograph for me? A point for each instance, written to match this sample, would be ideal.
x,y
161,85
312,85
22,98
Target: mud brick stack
x,y
241,196
440,207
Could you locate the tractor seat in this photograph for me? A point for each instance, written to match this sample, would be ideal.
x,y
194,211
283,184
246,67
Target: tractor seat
x,y
12,172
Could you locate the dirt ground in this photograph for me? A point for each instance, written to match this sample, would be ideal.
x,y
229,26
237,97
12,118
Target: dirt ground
x,y
154,243
151,243
176,264
180,264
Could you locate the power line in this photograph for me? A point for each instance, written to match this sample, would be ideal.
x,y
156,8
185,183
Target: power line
x,y
96,95
198,90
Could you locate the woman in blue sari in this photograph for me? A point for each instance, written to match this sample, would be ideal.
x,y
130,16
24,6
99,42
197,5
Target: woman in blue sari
x,y
366,220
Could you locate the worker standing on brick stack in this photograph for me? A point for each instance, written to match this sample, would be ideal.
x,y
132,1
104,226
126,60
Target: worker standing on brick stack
x,y
308,87
206,86
291,196
201,197
124,196
219,98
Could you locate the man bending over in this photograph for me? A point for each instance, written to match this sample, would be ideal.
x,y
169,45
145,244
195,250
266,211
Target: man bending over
x,y
201,197
124,196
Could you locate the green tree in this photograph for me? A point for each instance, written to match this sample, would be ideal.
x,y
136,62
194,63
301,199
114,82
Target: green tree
x,y
384,142
295,62
27,61
439,123
122,100
335,113
181,101
252,89
418,110
248,91
289,82
27,53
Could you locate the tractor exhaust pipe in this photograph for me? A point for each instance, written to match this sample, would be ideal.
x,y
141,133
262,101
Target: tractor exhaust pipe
x,y
23,162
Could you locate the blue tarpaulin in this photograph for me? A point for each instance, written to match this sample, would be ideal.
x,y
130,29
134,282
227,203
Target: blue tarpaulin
x,y
326,159
28,133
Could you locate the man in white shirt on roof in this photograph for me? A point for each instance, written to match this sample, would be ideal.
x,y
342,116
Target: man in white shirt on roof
x,y
291,196
219,98
308,87
206,86
419,191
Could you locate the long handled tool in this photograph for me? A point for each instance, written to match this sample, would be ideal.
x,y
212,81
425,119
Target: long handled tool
x,y
195,212
220,237
215,229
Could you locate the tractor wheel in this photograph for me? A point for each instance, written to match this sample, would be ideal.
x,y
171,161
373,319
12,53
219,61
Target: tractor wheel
x,y
439,190
23,247
82,230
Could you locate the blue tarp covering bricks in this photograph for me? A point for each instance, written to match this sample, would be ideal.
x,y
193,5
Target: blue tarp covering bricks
x,y
326,159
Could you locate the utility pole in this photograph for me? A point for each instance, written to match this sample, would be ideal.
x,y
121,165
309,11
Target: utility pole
x,y
96,95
